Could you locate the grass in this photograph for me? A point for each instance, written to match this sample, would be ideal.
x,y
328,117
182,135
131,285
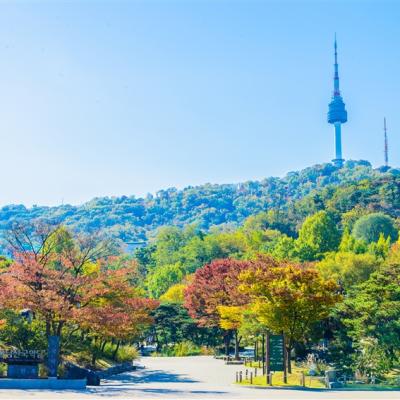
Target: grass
x,y
294,379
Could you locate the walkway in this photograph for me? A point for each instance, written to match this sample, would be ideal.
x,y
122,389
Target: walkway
x,y
186,378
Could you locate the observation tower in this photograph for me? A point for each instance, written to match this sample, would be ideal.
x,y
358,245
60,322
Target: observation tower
x,y
337,114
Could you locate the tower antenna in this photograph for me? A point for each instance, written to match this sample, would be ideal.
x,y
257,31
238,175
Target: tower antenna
x,y
386,143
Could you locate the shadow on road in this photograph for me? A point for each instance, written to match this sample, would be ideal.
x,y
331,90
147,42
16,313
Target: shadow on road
x,y
128,383
151,376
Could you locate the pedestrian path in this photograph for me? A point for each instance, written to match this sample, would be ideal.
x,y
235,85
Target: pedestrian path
x,y
200,377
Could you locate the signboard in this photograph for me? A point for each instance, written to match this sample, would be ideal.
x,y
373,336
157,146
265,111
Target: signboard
x,y
13,356
276,353
22,364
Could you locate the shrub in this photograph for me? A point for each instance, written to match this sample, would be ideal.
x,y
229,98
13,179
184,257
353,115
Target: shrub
x,y
124,354
127,353
181,349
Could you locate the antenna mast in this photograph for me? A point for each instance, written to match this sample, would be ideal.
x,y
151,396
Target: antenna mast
x,y
386,143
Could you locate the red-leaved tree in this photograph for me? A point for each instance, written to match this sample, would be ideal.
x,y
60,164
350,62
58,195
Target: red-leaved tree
x,y
214,285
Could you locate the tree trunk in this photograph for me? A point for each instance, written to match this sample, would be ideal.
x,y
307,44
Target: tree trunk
x,y
285,364
263,351
103,346
114,356
288,359
94,357
53,354
237,342
227,341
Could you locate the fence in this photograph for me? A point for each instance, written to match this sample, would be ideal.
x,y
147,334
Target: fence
x,y
257,376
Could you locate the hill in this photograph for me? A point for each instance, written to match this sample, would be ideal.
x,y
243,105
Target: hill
x,y
131,219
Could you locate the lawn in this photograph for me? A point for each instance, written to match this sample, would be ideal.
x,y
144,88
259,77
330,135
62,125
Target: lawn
x,y
294,380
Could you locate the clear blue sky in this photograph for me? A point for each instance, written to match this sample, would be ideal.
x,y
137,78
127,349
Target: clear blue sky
x,y
122,97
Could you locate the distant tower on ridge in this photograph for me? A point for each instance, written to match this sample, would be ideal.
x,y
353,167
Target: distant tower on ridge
x,y
337,114
386,144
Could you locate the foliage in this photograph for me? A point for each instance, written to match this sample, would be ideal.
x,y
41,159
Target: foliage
x,y
174,325
347,268
371,359
231,317
370,227
162,278
318,235
288,297
214,285
61,282
181,349
175,294
131,219
372,310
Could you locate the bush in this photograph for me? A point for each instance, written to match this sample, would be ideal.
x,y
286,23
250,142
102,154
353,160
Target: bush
x,y
124,354
181,349
127,353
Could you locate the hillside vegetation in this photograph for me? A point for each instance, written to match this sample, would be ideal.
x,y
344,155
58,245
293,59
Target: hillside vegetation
x,y
132,219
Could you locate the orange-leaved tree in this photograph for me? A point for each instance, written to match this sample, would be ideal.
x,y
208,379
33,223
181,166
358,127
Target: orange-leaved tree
x,y
288,297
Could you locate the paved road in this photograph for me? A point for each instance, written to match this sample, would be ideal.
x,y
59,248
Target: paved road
x,y
186,378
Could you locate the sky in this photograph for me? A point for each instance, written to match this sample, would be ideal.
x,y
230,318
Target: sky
x,y
111,98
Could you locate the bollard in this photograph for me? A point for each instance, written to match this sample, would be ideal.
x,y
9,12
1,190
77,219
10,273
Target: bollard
x,y
251,378
237,377
255,371
240,377
247,374
269,379
259,364
302,379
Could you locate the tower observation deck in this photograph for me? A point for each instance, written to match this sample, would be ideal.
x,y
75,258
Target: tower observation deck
x,y
337,114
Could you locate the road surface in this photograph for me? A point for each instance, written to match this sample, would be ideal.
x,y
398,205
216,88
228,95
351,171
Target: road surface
x,y
185,378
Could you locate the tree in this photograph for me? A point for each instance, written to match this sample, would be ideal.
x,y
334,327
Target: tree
x,y
350,244
372,310
285,249
369,227
317,235
213,286
112,310
172,325
231,319
175,294
371,359
288,298
60,280
348,269
163,277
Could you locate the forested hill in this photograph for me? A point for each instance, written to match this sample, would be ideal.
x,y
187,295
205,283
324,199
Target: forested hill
x,y
135,219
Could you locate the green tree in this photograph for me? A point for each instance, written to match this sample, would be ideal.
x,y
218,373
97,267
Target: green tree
x,y
285,249
372,310
370,358
160,279
350,244
348,269
371,226
318,235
